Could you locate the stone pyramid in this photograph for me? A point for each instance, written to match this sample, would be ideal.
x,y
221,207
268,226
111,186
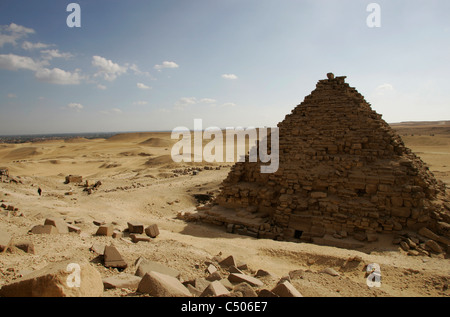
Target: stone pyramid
x,y
342,171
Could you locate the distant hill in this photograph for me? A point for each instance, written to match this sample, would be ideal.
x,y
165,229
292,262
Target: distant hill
x,y
422,127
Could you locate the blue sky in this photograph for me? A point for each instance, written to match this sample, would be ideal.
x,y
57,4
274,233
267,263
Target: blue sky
x,y
156,65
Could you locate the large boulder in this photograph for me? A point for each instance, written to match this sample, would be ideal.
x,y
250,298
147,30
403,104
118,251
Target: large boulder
x,y
161,285
73,278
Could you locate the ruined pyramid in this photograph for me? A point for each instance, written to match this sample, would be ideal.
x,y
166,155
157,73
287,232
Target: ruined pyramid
x,y
342,171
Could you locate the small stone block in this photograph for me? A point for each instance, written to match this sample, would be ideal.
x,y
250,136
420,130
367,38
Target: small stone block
x,y
73,228
239,278
152,231
136,237
227,262
134,227
112,258
105,230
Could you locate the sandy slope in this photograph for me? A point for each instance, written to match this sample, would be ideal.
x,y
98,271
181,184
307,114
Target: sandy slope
x,y
138,184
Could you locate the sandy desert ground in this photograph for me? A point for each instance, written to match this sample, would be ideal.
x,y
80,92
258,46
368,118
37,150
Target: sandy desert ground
x,y
138,184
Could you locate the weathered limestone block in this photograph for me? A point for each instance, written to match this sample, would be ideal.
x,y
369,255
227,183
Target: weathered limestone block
x,y
58,280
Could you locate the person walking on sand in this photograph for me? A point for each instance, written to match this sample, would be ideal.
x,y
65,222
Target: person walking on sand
x,y
39,191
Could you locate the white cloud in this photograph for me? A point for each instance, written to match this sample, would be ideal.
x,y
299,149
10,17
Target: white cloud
x,y
187,101
53,76
16,62
208,100
229,76
166,64
19,29
58,76
101,87
12,33
384,89
31,46
140,103
137,71
50,54
229,104
11,95
75,106
107,68
142,86
112,111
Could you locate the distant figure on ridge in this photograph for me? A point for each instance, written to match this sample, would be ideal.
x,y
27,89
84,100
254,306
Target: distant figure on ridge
x,y
39,191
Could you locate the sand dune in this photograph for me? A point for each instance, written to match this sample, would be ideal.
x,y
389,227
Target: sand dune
x,y
157,142
137,136
22,153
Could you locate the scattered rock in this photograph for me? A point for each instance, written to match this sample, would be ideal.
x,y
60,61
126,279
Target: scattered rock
x,y
152,231
233,269
286,289
245,289
211,269
266,293
262,273
99,222
161,285
73,228
216,276
74,179
105,230
239,278
136,237
134,227
214,289
26,246
330,271
227,262
112,258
